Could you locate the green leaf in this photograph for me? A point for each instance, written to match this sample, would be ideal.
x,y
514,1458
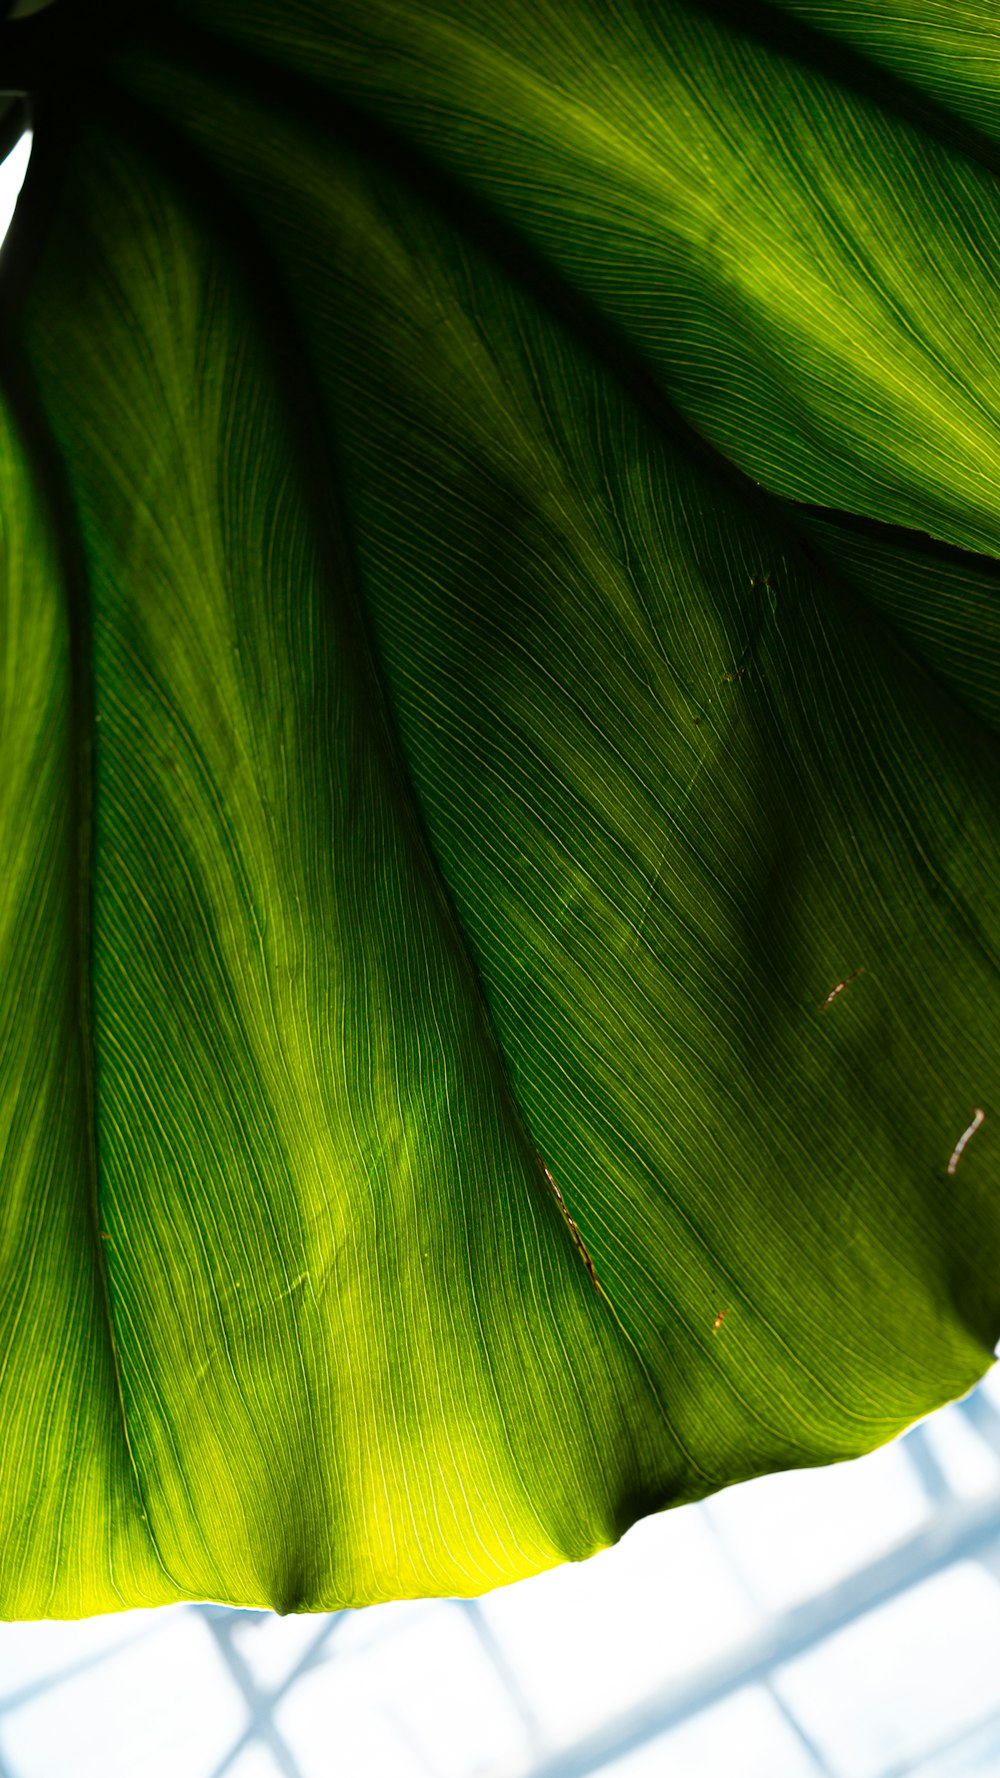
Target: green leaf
x,y
500,937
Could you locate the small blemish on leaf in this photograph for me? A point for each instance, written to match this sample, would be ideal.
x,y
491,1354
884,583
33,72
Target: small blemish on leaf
x,y
978,1117
574,1231
839,989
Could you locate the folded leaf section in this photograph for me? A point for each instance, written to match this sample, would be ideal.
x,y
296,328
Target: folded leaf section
x,y
948,49
812,276
71,1521
725,857
359,1355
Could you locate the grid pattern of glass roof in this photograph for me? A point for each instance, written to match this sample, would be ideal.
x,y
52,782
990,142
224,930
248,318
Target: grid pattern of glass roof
x,y
832,1623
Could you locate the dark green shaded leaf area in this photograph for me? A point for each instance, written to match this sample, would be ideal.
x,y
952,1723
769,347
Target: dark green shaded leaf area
x,y
498,658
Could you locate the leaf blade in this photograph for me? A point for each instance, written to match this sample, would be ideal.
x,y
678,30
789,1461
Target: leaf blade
x,y
514,792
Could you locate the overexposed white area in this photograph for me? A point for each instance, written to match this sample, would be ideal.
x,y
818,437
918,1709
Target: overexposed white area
x,y
937,1646
970,1466
598,1636
12,172
141,1710
834,1623
861,1508
417,1701
747,1734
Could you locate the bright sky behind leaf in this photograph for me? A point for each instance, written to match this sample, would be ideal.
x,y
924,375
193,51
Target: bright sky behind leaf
x,y
12,172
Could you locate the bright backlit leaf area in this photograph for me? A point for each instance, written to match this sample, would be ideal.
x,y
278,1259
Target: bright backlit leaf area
x,y
499,793
833,1623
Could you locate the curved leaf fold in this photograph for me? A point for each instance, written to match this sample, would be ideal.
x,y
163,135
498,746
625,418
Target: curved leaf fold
x,y
454,779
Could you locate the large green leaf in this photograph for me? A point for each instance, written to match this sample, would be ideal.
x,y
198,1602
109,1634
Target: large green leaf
x,y
434,770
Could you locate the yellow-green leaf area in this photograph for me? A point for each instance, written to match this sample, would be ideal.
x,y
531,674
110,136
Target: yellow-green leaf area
x,y
812,275
500,918
357,1350
72,1506
670,776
